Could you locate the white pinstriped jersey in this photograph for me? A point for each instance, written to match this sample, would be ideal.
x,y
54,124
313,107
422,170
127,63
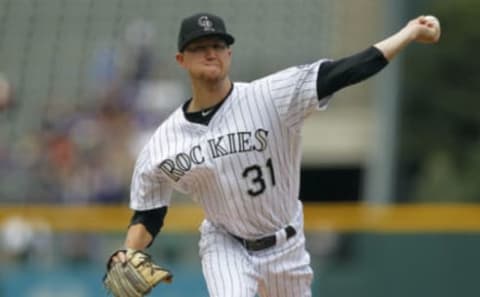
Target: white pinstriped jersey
x,y
243,167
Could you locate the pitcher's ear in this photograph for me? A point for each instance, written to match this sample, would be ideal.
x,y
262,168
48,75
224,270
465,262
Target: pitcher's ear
x,y
179,58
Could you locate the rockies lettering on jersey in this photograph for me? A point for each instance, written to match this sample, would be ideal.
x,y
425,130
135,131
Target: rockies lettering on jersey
x,y
224,145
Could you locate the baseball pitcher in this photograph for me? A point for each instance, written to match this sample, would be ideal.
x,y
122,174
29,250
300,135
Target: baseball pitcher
x,y
235,148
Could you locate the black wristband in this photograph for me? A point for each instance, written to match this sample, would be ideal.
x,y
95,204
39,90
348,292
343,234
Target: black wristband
x,y
152,220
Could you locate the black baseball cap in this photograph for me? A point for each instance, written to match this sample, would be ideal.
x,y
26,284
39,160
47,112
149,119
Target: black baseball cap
x,y
201,25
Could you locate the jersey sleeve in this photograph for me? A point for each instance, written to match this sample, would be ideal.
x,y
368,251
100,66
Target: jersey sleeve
x,y
293,93
149,188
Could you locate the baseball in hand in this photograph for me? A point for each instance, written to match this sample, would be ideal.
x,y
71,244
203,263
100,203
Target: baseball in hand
x,y
433,24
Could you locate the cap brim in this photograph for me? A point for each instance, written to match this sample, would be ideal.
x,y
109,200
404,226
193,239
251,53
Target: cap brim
x,y
229,39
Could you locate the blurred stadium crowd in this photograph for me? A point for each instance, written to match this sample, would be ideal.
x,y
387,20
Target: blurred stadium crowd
x,y
85,154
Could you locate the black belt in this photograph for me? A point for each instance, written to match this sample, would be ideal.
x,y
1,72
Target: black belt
x,y
264,242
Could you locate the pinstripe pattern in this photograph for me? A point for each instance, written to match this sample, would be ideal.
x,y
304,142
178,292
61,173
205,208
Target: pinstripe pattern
x,y
229,270
243,168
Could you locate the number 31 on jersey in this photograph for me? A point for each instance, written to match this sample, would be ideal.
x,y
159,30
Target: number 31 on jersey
x,y
257,174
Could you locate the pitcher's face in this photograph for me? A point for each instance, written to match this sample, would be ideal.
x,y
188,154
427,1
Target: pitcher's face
x,y
206,59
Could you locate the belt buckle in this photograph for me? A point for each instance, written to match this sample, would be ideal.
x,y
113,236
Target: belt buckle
x,y
255,245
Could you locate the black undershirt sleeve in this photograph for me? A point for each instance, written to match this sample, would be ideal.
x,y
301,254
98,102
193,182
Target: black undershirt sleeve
x,y
335,75
152,220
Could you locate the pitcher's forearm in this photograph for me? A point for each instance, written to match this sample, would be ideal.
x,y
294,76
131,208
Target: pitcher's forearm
x,y
392,45
137,237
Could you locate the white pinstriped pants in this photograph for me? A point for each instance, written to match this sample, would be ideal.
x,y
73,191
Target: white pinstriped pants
x,y
231,271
